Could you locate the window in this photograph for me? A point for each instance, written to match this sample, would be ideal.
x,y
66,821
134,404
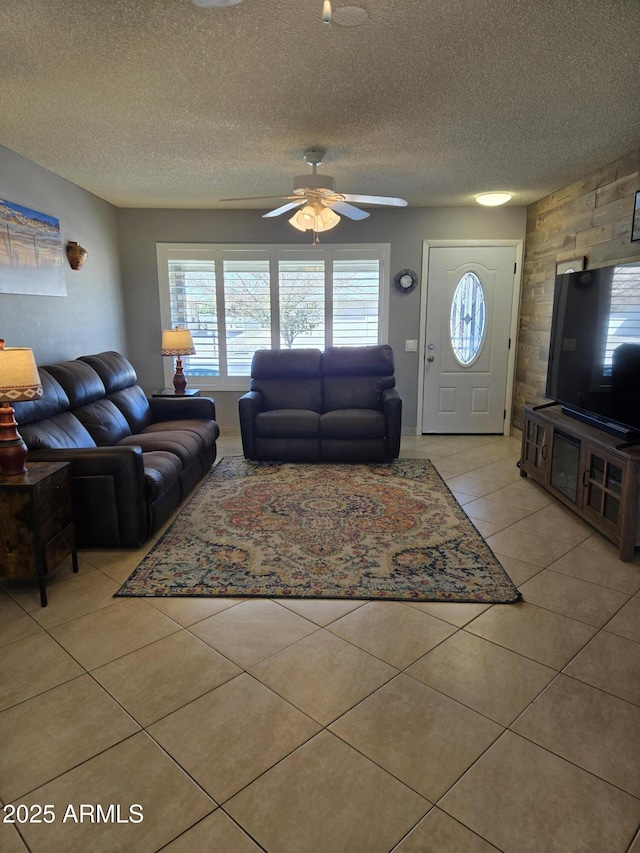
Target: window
x,y
467,319
237,299
623,321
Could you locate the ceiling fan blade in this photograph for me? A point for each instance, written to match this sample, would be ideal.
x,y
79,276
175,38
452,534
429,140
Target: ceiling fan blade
x,y
256,197
284,208
347,210
376,199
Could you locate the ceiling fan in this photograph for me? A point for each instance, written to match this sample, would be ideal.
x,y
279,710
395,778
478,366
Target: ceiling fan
x,y
319,202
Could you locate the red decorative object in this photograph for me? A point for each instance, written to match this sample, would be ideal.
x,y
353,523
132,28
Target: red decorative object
x,y
179,379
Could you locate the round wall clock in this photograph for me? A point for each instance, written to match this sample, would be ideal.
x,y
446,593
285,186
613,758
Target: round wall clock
x,y
406,280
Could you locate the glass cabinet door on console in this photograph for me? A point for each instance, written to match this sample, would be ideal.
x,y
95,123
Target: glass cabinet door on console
x,y
603,488
536,443
565,465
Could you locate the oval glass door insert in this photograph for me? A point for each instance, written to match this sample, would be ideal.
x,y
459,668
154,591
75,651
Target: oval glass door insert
x,y
467,318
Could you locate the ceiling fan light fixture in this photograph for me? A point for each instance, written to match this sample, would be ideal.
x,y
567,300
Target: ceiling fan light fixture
x,y
326,219
493,199
304,218
314,217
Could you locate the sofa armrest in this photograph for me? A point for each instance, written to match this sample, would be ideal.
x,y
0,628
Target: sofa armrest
x,y
93,461
182,408
108,493
392,408
249,405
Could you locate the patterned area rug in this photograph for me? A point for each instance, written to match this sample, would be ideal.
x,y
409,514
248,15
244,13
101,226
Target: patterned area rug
x,y
379,531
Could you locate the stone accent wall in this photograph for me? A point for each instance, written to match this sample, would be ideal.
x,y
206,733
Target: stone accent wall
x,y
590,219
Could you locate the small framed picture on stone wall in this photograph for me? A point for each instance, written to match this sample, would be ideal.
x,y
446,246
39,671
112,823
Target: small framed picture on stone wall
x,y
635,227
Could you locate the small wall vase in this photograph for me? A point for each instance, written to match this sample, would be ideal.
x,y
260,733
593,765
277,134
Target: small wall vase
x,y
76,254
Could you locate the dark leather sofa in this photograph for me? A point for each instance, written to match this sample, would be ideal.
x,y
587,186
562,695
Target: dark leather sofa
x,y
133,460
340,405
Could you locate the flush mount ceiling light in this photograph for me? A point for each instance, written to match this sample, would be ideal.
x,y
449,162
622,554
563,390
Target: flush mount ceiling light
x,y
350,16
493,199
215,4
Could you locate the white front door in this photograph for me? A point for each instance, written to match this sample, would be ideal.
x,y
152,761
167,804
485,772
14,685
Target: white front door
x,y
467,336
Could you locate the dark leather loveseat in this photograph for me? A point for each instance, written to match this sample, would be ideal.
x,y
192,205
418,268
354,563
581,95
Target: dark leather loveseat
x,y
133,460
305,405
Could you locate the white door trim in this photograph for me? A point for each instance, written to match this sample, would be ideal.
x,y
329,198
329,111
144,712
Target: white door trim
x,y
427,245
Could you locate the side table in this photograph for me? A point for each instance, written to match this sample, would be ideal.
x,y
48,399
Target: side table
x,y
170,392
36,526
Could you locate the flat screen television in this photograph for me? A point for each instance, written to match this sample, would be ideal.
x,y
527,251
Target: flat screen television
x,y
594,359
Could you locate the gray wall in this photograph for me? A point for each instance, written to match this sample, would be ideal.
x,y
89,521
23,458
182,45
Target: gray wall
x,y
91,317
405,230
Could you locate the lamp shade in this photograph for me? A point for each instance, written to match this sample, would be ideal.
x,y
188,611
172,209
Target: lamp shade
x,y
19,379
177,342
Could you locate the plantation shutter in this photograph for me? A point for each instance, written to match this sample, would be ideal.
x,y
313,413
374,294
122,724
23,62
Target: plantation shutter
x,y
192,305
356,285
236,299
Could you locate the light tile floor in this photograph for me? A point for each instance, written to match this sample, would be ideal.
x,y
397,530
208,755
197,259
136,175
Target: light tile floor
x,y
329,726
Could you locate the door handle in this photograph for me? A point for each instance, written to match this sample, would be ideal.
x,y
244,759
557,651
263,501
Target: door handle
x,y
431,358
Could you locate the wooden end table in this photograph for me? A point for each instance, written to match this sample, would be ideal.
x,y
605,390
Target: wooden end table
x,y
36,526
170,392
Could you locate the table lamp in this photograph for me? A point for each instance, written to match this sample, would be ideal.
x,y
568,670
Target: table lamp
x,y
19,381
178,342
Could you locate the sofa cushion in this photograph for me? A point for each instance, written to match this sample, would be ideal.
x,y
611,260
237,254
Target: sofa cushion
x,y
105,423
356,424
119,379
290,393
374,360
81,383
286,364
354,392
355,377
288,423
53,401
60,431
205,431
134,405
181,443
288,378
115,371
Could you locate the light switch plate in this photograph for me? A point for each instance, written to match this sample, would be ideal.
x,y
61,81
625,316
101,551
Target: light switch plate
x,y
411,346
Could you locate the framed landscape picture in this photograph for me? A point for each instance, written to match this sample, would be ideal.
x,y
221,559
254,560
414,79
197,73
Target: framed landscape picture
x,y
31,255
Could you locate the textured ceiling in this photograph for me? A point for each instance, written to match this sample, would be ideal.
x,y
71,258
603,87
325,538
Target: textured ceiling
x,y
158,103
